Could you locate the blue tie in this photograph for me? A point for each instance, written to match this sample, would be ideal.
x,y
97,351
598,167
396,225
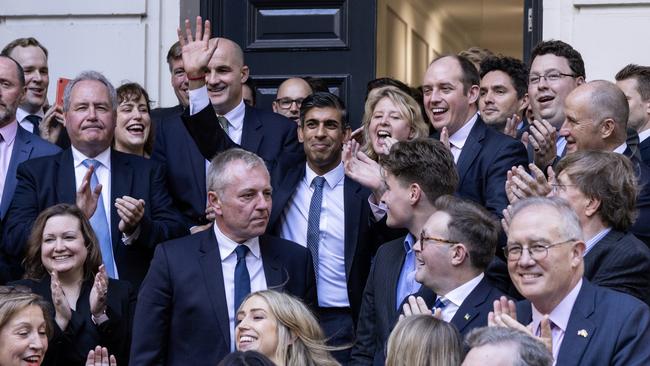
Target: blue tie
x,y
242,278
313,222
440,303
34,120
99,222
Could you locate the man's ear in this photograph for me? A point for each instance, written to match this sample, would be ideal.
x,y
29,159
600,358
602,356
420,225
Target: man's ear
x,y
244,73
607,128
473,94
523,104
415,193
215,202
460,254
592,206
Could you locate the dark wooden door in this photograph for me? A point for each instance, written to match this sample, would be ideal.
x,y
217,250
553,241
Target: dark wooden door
x,y
334,40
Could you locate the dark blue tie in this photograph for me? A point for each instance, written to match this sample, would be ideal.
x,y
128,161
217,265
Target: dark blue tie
x,y
440,303
242,278
34,120
313,222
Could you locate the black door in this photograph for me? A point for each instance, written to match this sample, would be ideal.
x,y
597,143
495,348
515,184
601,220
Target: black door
x,y
334,40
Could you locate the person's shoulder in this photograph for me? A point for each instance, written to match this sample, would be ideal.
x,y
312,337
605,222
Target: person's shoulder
x,y
270,119
139,161
43,161
390,247
281,245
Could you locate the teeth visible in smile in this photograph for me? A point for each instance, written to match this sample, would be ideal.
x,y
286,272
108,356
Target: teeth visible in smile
x,y
438,110
529,276
135,128
32,359
246,339
61,257
383,134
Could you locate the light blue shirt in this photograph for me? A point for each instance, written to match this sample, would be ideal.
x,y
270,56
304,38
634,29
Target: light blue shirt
x,y
407,284
332,284
593,241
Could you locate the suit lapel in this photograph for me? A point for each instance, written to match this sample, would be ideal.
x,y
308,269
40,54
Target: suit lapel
x,y
282,192
393,275
470,308
22,150
580,328
252,131
471,149
608,240
273,269
352,206
121,181
210,262
65,181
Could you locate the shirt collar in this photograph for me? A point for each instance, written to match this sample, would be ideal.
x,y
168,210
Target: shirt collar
x,y
104,157
21,114
236,116
333,177
409,241
460,293
596,238
644,135
621,148
459,137
8,132
227,246
560,315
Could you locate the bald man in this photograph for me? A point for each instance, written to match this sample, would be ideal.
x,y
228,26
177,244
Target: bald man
x,y
290,95
216,72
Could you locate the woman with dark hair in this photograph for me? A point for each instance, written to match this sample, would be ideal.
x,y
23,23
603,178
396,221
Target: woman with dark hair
x,y
64,265
25,327
133,131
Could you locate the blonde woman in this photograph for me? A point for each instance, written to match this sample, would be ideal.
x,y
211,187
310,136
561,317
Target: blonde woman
x,y
282,328
422,340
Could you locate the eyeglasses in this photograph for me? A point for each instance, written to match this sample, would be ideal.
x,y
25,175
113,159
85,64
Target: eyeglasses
x,y
550,77
536,250
285,103
557,187
436,240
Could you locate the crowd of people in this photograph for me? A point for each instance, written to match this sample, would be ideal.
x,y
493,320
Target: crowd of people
x,y
496,214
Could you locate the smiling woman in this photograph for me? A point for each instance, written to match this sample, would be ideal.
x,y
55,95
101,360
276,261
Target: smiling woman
x,y
64,265
134,131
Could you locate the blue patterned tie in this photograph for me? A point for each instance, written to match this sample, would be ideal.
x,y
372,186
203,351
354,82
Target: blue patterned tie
x,y
313,222
99,222
242,278
440,303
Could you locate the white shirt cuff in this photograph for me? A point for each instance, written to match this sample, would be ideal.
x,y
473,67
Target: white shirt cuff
x,y
129,239
199,99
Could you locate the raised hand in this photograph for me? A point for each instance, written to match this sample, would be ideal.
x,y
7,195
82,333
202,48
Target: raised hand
x,y
197,50
99,293
357,135
51,125
130,211
542,137
86,198
360,168
99,357
444,137
510,128
62,311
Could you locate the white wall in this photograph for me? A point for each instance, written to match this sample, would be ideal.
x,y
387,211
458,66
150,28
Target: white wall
x,y
608,34
124,39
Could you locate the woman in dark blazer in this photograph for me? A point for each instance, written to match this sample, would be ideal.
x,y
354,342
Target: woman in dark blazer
x,y
64,265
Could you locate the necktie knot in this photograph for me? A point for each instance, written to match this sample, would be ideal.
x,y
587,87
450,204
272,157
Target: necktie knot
x,y
241,251
91,162
441,302
223,122
319,182
34,120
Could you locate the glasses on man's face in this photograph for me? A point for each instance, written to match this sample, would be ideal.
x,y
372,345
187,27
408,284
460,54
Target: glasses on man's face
x,y
433,239
550,77
536,250
285,103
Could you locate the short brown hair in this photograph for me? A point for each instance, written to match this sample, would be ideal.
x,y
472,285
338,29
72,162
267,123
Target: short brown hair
x,y
33,264
469,73
133,92
175,53
426,162
473,226
608,177
639,73
16,298
23,42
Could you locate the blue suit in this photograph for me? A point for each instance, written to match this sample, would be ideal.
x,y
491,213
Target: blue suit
x,y
265,133
46,181
483,164
605,328
26,146
182,316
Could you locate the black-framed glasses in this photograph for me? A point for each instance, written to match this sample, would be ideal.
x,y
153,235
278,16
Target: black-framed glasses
x,y
536,250
285,103
424,238
550,77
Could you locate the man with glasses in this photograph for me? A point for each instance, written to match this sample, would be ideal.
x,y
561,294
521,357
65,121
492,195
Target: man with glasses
x,y
556,69
583,323
456,245
290,95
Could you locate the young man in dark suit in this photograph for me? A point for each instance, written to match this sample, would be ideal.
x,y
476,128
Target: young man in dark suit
x,y
124,196
634,81
187,306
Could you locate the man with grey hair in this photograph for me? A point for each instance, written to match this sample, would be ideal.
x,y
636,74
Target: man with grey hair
x,y
223,265
499,346
584,324
123,195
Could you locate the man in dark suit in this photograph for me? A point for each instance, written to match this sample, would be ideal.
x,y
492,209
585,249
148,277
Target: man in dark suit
x,y
123,196
417,173
482,155
215,77
456,245
586,324
187,304
634,81
179,84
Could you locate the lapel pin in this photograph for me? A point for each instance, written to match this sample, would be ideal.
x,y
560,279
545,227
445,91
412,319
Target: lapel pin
x,y
467,316
583,333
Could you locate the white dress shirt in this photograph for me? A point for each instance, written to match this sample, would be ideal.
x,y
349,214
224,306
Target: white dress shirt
x,y
457,140
621,148
21,117
456,297
199,99
644,135
8,134
254,265
332,284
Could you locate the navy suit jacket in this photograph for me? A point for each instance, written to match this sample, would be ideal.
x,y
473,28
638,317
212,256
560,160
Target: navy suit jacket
x,y
379,313
641,227
160,114
26,146
265,133
49,180
483,164
182,317
621,262
605,328
644,150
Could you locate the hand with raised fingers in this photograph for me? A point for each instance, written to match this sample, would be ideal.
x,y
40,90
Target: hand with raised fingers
x,y
87,198
99,357
542,136
52,124
415,306
130,210
510,128
62,311
197,49
360,168
357,135
444,137
99,293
